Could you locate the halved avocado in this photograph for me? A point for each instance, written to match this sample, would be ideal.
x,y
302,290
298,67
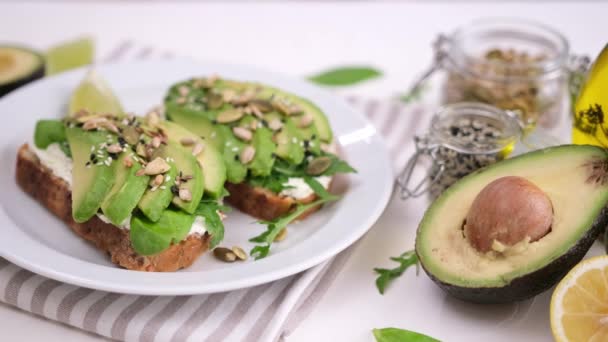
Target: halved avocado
x,y
575,179
18,66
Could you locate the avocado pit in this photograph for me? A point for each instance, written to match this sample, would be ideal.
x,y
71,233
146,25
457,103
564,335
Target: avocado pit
x,y
508,211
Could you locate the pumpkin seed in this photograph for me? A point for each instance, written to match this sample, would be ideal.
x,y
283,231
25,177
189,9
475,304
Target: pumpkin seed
x,y
281,235
247,154
318,165
215,100
242,133
228,95
187,141
130,135
239,252
141,150
224,254
262,105
229,115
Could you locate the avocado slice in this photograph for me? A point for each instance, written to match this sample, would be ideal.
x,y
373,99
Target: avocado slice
x,y
91,183
214,170
197,123
187,166
149,238
290,144
262,162
126,192
154,202
574,178
18,66
235,170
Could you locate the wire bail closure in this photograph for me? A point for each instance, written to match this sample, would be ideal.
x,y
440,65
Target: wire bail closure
x,y
423,148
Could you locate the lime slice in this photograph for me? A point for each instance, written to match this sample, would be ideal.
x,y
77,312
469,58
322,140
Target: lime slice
x,y
69,55
94,95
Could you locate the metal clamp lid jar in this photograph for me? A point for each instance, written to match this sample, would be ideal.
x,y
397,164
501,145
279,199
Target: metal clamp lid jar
x,y
462,138
512,64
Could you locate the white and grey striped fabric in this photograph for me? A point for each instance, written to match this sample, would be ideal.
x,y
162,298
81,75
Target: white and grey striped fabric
x,y
267,312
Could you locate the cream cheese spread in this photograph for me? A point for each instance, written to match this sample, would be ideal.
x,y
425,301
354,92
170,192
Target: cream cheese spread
x,y
298,189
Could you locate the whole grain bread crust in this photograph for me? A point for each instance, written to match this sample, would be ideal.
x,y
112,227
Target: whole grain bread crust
x,y
54,194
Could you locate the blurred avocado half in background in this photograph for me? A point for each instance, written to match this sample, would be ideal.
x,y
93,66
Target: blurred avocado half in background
x,y
19,65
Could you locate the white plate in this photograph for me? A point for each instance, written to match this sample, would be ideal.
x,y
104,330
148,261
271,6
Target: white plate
x,y
34,239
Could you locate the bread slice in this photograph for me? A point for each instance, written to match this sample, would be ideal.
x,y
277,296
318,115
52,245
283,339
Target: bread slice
x,y
265,204
54,194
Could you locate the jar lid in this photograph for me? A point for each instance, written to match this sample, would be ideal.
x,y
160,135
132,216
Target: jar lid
x,y
474,128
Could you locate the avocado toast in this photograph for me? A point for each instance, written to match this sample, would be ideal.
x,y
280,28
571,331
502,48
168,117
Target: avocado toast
x,y
145,191
278,148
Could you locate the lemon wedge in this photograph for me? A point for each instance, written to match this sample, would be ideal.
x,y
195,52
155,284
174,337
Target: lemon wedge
x,y
579,305
94,95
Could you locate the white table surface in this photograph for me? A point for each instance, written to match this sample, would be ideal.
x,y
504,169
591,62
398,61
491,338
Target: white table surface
x,y
299,39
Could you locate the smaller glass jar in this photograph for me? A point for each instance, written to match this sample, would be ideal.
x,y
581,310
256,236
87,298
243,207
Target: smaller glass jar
x,y
512,64
462,138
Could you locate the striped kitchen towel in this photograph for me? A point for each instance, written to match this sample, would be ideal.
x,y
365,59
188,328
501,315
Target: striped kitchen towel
x,y
267,312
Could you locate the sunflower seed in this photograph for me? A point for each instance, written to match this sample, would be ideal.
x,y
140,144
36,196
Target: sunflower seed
x,y
224,254
140,172
114,148
247,154
281,235
185,195
318,165
275,124
127,161
157,166
158,180
229,115
187,141
156,142
281,106
183,90
256,111
239,252
305,120
140,149
197,149
242,133
228,95
153,118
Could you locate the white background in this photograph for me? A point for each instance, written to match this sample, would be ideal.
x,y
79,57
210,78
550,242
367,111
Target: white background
x,y
300,39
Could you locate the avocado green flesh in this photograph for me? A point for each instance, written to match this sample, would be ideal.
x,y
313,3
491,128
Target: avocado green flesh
x,y
187,164
199,125
90,184
153,203
48,132
235,170
262,162
562,172
149,238
126,192
213,167
288,140
18,66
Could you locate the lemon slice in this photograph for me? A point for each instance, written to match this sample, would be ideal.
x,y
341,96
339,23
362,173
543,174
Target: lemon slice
x,y
69,55
94,95
579,305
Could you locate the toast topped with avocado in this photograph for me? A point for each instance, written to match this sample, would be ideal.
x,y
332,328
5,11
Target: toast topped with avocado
x,y
145,190
278,147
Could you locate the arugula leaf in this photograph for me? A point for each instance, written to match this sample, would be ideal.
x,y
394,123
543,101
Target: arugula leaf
x,y
274,182
65,148
345,76
400,335
317,187
48,132
337,166
386,276
275,226
208,209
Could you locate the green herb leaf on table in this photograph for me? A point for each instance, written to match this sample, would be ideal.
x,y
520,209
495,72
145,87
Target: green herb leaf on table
x,y
275,226
400,335
345,76
386,275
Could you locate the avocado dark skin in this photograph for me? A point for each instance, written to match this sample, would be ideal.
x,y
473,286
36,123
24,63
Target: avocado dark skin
x,y
531,284
36,74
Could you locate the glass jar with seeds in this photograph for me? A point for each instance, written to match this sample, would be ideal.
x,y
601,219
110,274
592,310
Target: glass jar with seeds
x,y
511,64
462,138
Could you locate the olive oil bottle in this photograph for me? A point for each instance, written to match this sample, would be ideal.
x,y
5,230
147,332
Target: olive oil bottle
x,y
590,122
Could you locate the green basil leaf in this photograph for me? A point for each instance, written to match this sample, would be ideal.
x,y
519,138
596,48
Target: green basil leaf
x,y
386,275
345,76
400,335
